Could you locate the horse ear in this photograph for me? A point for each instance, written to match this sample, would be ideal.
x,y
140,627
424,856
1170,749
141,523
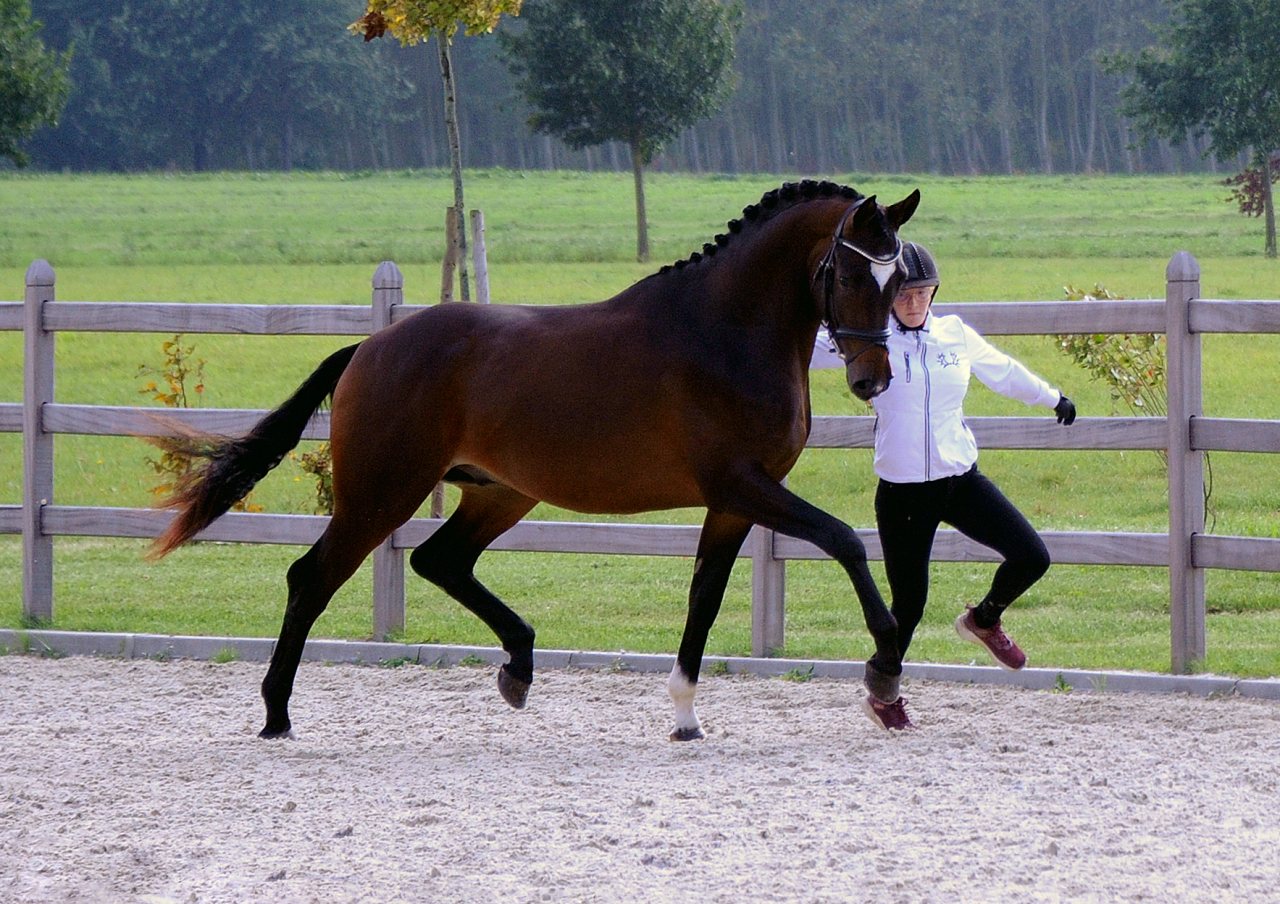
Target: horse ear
x,y
865,211
901,212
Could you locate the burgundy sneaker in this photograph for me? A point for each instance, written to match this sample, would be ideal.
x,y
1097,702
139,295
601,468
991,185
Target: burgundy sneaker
x,y
889,716
998,644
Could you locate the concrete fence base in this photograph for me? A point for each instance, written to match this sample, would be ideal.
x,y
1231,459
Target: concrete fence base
x,y
258,649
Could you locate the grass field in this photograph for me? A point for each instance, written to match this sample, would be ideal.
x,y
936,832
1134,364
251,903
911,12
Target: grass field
x,y
567,237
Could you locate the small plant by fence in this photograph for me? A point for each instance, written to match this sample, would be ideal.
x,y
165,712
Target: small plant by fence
x,y
1184,434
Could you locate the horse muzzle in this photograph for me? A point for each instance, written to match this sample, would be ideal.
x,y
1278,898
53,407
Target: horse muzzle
x,y
868,375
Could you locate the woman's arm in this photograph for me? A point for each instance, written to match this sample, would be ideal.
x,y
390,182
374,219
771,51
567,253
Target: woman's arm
x,y
1005,375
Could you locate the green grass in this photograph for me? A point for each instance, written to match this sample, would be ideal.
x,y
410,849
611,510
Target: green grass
x,y
560,238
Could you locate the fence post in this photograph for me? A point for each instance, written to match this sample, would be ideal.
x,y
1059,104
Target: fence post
x,y
450,263
388,561
479,257
37,446
1186,466
768,595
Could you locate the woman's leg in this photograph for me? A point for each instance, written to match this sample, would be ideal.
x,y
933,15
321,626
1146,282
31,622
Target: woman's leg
x,y
907,518
981,512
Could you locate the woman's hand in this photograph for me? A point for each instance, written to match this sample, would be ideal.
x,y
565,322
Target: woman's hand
x,y
1066,411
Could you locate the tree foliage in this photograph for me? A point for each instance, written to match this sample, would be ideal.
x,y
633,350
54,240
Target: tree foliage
x,y
1215,71
823,86
634,71
412,21
196,84
1247,189
33,80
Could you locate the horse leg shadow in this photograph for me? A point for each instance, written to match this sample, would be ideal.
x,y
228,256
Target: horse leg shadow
x,y
448,557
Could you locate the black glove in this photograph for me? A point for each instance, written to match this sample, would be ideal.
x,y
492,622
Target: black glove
x,y
1066,411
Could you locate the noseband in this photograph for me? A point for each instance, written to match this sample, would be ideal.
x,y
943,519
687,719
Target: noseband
x,y
827,270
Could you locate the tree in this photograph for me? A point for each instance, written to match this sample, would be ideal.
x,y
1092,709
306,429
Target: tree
x,y
412,21
33,80
634,71
203,84
1215,72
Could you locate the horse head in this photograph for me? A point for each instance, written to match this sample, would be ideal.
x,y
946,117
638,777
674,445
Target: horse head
x,y
855,284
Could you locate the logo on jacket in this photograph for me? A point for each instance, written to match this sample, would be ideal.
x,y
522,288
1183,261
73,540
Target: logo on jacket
x,y
952,360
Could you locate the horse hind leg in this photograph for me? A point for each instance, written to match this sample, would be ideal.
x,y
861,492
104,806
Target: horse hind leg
x,y
718,546
313,579
448,557
354,531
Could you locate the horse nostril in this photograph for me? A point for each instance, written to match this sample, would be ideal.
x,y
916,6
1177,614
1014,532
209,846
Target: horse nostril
x,y
868,389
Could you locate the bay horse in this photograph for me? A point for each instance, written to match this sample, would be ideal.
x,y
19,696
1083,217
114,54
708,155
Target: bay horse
x,y
690,388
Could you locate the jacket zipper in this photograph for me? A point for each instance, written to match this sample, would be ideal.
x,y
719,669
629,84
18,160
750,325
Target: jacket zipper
x,y
924,368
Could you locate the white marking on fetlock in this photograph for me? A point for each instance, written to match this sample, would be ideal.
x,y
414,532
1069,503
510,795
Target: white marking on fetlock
x,y
682,692
882,272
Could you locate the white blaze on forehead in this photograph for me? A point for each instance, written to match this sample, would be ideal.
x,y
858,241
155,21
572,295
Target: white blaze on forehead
x,y
882,272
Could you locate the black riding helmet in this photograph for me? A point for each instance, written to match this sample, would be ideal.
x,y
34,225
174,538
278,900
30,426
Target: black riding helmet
x,y
922,273
921,270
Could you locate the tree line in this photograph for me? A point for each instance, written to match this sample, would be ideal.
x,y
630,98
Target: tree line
x,y
947,86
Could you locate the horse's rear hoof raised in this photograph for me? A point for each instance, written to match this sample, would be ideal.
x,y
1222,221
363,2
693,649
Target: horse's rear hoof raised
x,y
513,690
687,734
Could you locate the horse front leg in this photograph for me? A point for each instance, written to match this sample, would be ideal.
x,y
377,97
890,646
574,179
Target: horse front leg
x,y
718,546
769,504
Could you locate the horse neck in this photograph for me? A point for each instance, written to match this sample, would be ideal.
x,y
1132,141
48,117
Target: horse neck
x,y
770,281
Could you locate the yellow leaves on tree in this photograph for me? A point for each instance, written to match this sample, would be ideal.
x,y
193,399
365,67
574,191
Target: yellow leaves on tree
x,y
412,21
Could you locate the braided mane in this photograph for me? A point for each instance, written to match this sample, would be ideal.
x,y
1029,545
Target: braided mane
x,y
773,202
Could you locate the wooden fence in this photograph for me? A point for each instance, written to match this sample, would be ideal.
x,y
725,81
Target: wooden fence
x,y
1185,434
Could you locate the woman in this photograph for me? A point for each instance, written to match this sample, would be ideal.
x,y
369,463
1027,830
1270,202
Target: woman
x,y
926,459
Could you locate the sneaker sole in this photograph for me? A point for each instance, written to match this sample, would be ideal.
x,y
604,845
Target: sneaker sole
x,y
871,714
966,634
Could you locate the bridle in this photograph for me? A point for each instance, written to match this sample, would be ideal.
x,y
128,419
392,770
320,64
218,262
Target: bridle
x,y
827,270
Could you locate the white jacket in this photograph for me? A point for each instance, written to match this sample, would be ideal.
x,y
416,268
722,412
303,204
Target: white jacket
x,y
920,430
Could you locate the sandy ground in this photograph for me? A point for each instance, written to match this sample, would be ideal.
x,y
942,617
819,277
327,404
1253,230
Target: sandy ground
x,y
141,781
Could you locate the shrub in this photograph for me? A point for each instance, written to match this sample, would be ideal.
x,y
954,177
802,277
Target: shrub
x,y
319,464
1131,365
181,377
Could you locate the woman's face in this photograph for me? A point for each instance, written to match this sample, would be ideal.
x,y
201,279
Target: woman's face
x,y
912,305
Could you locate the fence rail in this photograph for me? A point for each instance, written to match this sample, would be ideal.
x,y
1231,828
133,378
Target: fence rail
x,y
1185,434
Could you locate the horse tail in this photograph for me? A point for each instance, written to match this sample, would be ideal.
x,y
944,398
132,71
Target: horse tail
x,y
229,468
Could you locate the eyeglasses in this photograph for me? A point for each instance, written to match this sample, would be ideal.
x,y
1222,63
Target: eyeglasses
x,y
921,296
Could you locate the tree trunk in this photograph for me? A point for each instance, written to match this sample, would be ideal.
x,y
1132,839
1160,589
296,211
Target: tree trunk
x,y
287,148
1042,108
642,221
1268,204
455,161
199,152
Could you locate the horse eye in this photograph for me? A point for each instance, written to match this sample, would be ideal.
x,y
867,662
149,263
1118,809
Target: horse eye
x,y
844,282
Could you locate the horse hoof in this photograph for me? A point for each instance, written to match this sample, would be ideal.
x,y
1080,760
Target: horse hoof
x,y
273,734
687,734
513,690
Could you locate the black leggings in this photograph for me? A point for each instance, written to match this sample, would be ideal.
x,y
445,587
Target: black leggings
x,y
908,515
